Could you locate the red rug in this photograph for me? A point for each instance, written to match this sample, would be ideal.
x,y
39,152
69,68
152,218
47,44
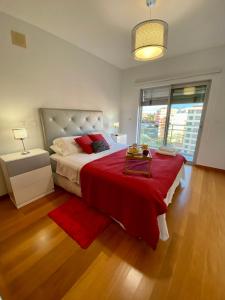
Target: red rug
x,y
80,221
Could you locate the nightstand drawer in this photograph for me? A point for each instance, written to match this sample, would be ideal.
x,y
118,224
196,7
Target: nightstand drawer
x,y
31,185
27,164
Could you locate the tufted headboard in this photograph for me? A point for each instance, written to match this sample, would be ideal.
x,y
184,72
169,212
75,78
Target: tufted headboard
x,y
58,122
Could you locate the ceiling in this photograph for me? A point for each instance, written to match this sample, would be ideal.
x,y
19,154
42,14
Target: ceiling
x,y
102,27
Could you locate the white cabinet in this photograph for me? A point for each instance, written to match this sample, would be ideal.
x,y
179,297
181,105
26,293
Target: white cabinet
x,y
120,138
28,177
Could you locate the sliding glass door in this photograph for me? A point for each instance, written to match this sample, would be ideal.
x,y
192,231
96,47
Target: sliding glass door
x,y
153,113
173,116
153,121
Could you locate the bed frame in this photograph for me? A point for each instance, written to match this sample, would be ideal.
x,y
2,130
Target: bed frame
x,y
57,122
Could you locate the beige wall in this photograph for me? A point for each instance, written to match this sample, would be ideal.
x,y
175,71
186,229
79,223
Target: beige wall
x,y
212,146
49,73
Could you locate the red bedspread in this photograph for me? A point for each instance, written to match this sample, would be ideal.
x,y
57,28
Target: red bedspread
x,y
135,201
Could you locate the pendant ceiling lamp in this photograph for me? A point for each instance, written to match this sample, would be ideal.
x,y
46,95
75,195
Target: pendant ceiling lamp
x,y
149,38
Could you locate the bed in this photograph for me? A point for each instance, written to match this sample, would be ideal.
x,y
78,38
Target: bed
x,y
68,171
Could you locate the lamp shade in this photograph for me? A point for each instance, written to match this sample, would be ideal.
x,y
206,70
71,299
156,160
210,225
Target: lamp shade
x,y
116,125
19,133
149,40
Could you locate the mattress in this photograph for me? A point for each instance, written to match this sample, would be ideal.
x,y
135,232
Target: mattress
x,y
68,176
70,166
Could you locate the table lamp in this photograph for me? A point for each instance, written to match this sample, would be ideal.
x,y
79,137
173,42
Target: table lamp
x,y
21,134
116,125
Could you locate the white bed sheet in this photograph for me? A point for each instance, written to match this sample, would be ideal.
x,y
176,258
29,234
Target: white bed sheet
x,y
68,176
71,165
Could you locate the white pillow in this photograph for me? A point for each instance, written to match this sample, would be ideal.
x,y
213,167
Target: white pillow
x,y
56,149
106,136
66,145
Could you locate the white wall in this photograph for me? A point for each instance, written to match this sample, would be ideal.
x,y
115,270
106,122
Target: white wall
x,y
54,73
212,145
49,73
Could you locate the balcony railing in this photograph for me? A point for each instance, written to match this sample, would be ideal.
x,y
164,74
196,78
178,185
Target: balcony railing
x,y
179,136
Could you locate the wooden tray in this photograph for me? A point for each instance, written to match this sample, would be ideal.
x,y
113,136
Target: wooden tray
x,y
139,165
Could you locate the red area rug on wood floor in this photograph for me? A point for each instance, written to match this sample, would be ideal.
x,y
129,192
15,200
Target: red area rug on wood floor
x,y
80,221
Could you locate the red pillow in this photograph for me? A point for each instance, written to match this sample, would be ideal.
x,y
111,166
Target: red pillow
x,y
85,143
97,137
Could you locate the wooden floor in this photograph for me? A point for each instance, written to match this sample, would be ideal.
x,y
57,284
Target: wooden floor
x,y
39,261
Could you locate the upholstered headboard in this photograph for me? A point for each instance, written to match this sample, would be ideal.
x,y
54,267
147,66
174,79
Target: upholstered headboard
x,y
67,122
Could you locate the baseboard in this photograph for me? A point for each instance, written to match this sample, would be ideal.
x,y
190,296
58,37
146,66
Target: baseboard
x,y
210,168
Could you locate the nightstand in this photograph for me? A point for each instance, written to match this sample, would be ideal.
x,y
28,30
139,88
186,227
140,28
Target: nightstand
x,y
120,138
28,177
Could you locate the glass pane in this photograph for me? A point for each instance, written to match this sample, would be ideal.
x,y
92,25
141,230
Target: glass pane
x,y
152,126
155,96
183,127
188,94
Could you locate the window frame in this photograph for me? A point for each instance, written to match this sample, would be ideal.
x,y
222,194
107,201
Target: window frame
x,y
207,83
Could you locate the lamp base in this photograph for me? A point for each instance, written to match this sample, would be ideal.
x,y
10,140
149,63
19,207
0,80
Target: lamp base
x,y
25,152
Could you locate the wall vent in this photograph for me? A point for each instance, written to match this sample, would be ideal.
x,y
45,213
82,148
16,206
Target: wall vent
x,y
18,39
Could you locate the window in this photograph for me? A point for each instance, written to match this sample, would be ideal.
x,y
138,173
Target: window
x,y
171,116
153,116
